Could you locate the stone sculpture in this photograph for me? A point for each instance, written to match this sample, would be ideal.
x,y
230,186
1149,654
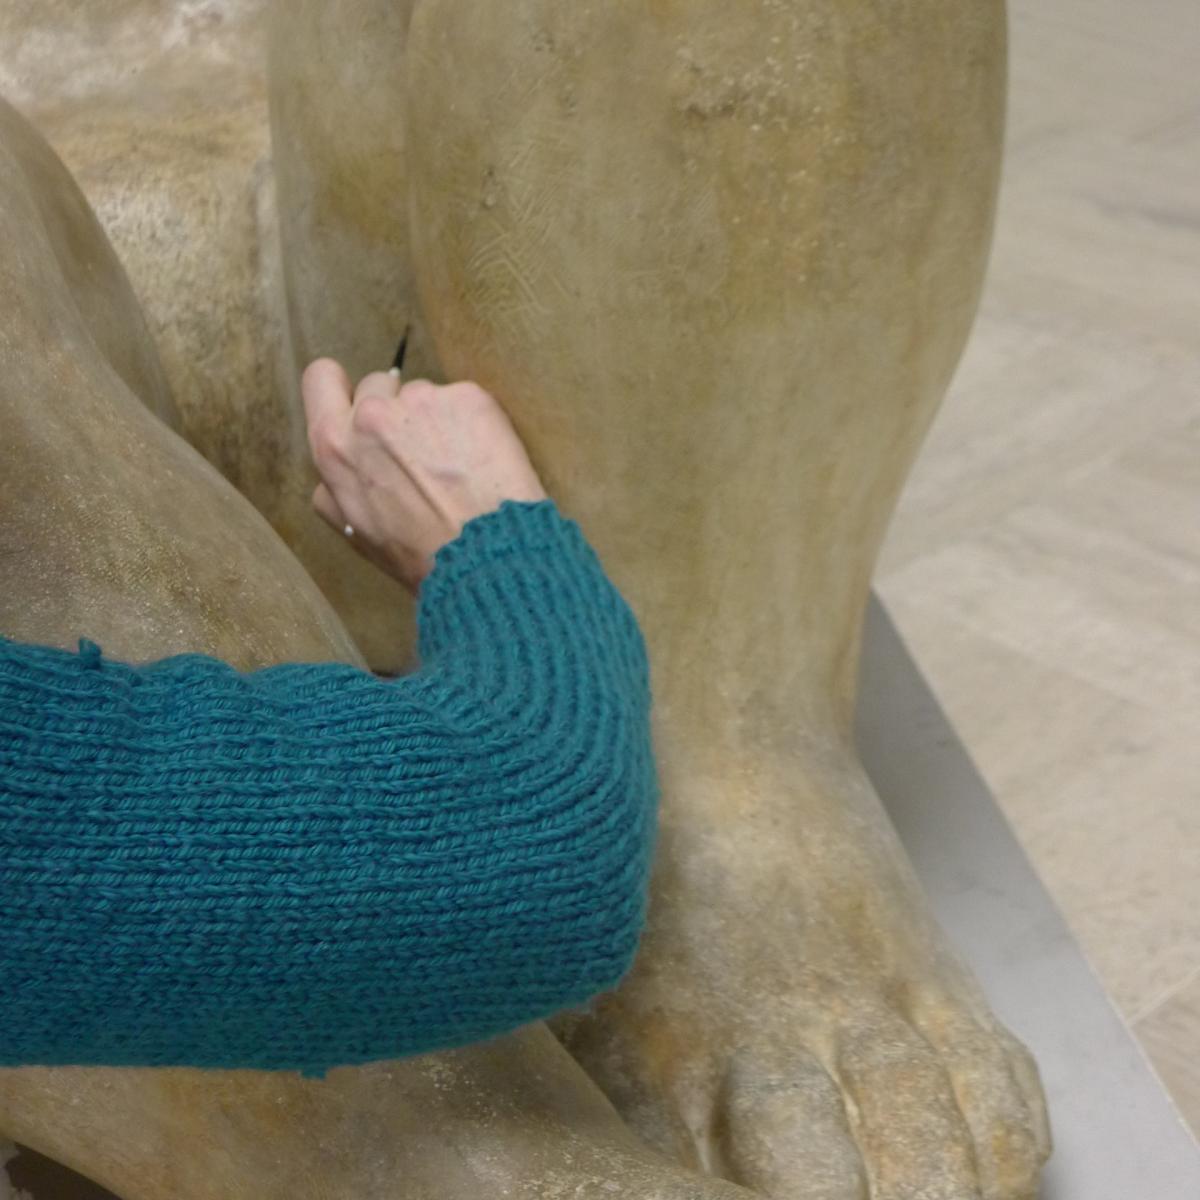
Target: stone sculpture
x,y
718,260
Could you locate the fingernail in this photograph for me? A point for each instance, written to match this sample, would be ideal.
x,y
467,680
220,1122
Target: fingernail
x,y
395,371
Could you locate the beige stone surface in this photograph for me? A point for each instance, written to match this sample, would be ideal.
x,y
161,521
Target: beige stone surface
x,y
1044,561
1062,472
680,342
1068,449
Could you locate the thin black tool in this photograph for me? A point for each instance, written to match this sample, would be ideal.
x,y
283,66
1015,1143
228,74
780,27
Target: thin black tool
x,y
398,362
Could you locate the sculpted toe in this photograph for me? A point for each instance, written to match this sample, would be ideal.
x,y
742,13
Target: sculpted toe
x,y
780,1128
904,1113
991,1074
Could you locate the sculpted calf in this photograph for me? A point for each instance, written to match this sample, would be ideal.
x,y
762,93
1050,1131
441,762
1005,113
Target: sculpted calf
x,y
718,262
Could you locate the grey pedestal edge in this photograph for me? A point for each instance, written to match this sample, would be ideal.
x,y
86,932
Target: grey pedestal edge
x,y
1117,1135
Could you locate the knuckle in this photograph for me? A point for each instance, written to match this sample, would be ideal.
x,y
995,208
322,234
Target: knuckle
x,y
373,413
467,391
419,391
376,381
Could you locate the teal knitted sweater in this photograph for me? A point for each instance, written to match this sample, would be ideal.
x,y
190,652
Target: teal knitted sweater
x,y
307,866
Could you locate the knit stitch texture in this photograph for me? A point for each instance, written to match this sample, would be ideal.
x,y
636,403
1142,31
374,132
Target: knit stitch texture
x,y
306,866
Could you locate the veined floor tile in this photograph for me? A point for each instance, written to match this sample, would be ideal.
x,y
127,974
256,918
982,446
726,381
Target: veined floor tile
x,y
1101,792
1171,1037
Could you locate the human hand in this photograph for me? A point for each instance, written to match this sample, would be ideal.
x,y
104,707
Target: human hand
x,y
406,466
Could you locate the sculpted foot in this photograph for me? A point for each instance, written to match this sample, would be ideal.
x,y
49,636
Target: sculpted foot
x,y
796,1022
515,1118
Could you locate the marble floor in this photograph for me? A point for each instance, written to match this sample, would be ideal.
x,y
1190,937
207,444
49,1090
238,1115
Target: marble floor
x,y
1044,562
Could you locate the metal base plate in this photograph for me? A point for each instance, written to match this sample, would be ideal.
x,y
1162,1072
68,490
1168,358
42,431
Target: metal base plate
x,y
1117,1135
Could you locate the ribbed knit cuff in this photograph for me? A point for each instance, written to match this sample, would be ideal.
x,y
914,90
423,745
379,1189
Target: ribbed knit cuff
x,y
523,579
516,526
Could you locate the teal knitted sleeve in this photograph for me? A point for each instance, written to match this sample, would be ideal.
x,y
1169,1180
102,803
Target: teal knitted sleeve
x,y
307,866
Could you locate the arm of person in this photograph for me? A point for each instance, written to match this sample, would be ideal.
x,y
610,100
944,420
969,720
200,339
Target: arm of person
x,y
306,866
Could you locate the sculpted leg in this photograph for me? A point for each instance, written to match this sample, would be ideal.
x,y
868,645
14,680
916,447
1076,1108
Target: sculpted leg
x,y
335,75
113,527
719,260
160,111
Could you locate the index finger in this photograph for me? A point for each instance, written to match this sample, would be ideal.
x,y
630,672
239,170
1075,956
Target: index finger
x,y
326,390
